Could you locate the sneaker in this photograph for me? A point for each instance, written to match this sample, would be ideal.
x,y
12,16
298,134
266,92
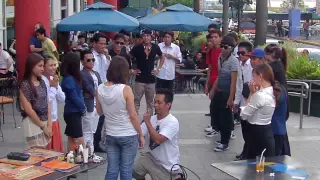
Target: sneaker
x,y
237,123
212,133
233,135
221,148
217,142
239,157
208,129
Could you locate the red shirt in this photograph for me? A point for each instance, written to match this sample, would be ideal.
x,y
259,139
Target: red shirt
x,y
212,59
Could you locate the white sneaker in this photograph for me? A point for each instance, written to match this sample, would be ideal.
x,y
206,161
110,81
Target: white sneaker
x,y
208,129
233,135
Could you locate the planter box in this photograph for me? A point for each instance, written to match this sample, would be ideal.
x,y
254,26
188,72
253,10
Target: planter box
x,y
294,102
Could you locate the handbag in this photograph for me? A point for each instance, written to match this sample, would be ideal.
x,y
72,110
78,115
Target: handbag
x,y
245,88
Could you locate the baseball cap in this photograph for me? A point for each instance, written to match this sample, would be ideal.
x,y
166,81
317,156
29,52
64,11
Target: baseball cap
x,y
257,52
146,31
227,40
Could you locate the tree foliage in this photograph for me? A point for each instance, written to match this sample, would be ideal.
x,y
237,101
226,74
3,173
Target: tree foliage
x,y
167,3
286,5
239,4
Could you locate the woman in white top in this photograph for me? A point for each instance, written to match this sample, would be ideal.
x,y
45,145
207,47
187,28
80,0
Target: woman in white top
x,y
264,95
122,129
56,95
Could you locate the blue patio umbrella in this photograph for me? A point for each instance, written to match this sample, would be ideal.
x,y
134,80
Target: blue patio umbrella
x,y
98,17
176,18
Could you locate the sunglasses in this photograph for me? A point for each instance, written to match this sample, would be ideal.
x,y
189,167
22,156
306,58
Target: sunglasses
x,y
268,51
224,46
119,43
242,53
89,60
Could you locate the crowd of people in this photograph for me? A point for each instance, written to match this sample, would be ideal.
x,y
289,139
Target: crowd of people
x,y
100,108
247,87
101,103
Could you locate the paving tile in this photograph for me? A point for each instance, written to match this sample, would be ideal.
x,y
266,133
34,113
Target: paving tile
x,y
196,150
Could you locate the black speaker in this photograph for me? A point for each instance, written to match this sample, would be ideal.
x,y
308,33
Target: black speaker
x,y
123,3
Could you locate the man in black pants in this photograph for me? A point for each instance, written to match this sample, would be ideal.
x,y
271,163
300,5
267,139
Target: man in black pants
x,y
172,55
223,92
242,88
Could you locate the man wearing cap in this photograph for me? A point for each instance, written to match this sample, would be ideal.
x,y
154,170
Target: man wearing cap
x,y
147,69
242,88
172,56
257,57
223,92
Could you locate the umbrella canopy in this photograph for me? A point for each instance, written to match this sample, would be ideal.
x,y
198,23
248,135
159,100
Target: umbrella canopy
x,y
98,17
176,18
128,10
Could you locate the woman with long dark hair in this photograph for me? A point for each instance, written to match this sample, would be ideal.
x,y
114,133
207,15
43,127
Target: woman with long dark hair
x,y
264,95
74,104
34,103
122,129
277,59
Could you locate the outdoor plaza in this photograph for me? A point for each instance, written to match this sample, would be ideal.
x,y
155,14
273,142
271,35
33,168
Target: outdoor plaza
x,y
197,150
198,157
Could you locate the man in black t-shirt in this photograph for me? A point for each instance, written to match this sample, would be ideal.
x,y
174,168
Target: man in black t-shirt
x,y
147,69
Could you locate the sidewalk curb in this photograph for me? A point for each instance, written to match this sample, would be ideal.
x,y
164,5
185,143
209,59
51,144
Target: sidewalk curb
x,y
295,40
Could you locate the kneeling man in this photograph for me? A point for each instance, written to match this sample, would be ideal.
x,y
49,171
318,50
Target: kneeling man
x,y
161,130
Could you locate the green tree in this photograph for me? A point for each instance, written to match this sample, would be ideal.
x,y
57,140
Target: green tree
x,y
239,4
288,4
189,3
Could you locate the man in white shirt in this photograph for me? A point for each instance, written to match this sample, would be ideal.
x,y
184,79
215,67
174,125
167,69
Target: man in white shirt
x,y
161,131
101,65
242,88
172,56
6,63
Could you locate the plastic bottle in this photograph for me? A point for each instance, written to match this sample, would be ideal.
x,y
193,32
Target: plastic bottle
x,y
70,157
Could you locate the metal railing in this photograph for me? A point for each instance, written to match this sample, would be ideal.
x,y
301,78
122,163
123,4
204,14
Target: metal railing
x,y
310,82
303,94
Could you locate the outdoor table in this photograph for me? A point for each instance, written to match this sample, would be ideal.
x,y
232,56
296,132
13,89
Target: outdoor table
x,y
57,175
189,74
283,167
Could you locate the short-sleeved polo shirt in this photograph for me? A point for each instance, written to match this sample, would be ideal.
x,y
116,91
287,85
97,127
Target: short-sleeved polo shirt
x,y
226,67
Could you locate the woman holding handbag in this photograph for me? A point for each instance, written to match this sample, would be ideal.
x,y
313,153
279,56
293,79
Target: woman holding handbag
x,y
34,103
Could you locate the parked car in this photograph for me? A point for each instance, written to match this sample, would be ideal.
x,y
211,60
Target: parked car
x,y
274,41
248,27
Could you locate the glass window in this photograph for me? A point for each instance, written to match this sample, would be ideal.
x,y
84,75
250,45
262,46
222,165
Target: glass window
x,y
63,2
63,13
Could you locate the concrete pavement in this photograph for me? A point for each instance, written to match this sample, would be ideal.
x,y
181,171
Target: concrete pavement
x,y
196,150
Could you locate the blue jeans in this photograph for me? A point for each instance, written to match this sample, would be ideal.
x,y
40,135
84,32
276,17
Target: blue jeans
x,y
121,153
